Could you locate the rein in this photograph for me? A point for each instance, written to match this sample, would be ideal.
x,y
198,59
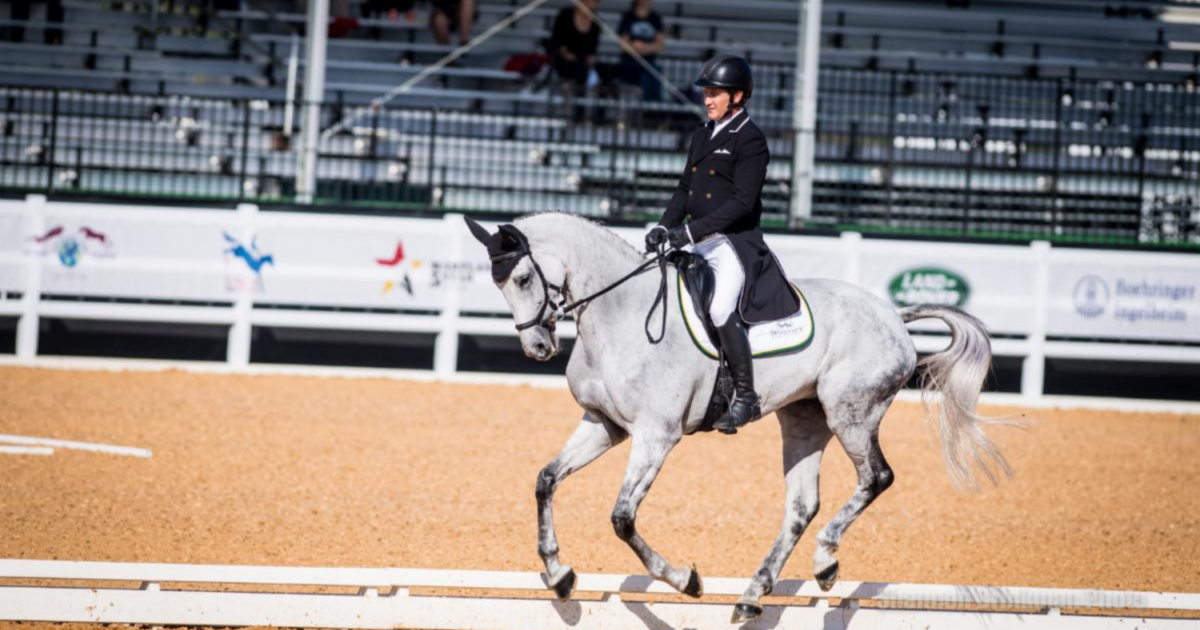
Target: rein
x,y
661,297
562,306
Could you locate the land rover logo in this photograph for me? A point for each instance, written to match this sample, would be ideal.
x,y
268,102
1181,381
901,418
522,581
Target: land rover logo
x,y
929,286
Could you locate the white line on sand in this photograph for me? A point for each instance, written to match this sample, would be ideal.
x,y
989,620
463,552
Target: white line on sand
x,y
26,450
79,446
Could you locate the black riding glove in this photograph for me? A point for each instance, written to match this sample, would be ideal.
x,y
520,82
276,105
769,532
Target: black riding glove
x,y
654,238
679,237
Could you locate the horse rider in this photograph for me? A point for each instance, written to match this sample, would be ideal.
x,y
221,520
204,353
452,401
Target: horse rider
x,y
720,191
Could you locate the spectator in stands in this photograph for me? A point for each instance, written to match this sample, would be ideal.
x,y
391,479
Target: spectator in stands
x,y
452,15
642,28
572,47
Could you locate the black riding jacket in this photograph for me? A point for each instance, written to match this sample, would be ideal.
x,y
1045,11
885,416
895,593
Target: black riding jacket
x,y
720,190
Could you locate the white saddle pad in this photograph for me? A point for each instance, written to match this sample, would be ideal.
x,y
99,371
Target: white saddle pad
x,y
766,339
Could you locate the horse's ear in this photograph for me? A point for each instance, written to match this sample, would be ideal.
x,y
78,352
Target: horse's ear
x,y
510,237
478,231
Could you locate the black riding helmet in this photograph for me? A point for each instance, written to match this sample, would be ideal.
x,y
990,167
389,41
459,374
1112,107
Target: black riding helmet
x,y
729,72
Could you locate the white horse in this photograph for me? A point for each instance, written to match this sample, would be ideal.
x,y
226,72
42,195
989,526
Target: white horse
x,y
655,394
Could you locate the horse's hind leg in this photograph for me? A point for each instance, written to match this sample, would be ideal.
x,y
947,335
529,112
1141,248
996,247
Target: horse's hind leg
x,y
591,439
805,436
855,421
646,459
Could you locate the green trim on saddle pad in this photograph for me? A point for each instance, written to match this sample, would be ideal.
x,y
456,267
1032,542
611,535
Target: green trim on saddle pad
x,y
758,355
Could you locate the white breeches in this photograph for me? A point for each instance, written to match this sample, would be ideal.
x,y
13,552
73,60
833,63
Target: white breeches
x,y
721,256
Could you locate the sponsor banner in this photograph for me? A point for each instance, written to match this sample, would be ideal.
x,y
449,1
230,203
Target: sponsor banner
x,y
810,257
992,282
358,262
288,258
130,252
929,285
12,229
416,265
1124,296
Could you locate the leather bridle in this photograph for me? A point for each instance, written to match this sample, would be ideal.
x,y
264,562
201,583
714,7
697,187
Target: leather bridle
x,y
540,319
561,307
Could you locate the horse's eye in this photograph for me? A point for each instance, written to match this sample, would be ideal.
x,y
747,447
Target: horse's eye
x,y
522,282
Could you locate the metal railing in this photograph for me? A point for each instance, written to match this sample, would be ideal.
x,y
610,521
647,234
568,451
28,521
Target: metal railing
x,y
896,152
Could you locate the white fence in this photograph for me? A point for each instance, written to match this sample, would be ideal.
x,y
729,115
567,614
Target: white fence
x,y
195,595
247,268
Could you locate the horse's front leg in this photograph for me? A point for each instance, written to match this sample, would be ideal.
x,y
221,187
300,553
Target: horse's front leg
x,y
591,439
646,459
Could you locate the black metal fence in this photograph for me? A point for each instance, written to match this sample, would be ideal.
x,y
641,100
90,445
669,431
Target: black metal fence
x,y
896,152
1010,158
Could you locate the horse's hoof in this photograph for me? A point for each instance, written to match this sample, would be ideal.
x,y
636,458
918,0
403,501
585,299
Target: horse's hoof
x,y
565,586
694,588
827,576
744,612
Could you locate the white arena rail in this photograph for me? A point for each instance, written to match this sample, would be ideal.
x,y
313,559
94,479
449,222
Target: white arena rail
x,y
35,590
337,272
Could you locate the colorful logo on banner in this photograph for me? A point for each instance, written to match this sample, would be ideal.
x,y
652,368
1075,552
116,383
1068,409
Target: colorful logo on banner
x,y
402,280
1091,296
929,285
1133,300
434,272
251,258
70,248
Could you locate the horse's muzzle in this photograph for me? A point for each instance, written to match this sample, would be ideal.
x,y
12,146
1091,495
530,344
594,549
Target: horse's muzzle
x,y
543,344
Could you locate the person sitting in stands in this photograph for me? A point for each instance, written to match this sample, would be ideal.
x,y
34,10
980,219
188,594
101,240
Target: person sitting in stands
x,y
452,15
572,52
642,28
573,44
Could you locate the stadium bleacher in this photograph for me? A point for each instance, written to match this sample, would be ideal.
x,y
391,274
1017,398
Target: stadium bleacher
x,y
1064,119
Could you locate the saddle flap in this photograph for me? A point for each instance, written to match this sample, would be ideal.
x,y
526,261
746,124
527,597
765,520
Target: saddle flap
x,y
701,283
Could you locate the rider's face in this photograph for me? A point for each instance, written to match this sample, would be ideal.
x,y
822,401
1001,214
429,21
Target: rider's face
x,y
716,102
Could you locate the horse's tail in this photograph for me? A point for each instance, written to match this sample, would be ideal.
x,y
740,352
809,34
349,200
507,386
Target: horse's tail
x,y
957,373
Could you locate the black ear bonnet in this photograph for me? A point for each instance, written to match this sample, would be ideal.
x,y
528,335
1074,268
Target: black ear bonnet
x,y
506,247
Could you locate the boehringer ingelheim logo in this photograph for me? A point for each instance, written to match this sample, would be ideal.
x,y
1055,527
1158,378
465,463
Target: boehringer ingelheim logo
x,y
1091,296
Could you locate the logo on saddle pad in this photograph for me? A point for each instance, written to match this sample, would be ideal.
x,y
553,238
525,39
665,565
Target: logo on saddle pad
x,y
929,285
782,336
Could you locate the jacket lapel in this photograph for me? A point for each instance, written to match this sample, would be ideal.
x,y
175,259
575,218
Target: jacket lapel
x,y
722,137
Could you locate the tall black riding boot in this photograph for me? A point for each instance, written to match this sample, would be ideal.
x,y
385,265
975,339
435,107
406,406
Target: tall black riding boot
x,y
735,345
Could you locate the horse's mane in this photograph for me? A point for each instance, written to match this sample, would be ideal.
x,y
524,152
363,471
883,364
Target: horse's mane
x,y
596,227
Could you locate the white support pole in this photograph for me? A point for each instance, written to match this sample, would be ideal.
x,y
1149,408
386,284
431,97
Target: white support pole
x,y
804,110
30,320
1033,368
314,95
289,106
445,345
237,351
